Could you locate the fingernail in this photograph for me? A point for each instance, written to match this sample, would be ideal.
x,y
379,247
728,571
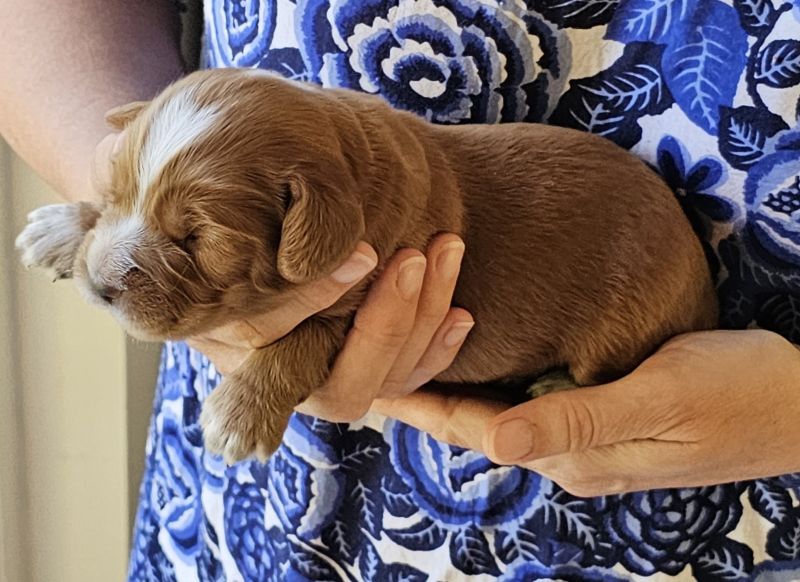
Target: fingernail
x,y
457,333
354,268
512,440
449,260
410,277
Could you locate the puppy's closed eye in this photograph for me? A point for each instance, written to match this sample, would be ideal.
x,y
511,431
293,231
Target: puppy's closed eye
x,y
188,244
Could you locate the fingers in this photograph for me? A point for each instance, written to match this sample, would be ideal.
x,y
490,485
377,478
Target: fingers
x,y
633,408
318,295
259,331
403,335
451,418
439,354
433,308
380,330
632,465
226,358
228,346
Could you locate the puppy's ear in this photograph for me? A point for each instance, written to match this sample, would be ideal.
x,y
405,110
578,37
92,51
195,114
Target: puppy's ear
x,y
323,223
119,117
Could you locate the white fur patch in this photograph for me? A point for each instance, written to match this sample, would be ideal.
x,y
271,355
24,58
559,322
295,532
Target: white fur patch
x,y
110,255
52,237
175,126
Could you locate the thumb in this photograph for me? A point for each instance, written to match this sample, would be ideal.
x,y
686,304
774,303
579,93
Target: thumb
x,y
577,420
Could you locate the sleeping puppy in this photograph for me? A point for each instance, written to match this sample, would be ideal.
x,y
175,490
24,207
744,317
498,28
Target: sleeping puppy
x,y
234,186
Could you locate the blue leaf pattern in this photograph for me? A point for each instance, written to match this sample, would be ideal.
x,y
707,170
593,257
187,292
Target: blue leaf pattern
x,y
770,498
565,513
309,563
756,16
706,92
703,67
424,535
724,560
778,65
343,536
372,569
653,20
781,314
745,135
611,103
469,551
369,564
577,13
783,542
632,90
518,544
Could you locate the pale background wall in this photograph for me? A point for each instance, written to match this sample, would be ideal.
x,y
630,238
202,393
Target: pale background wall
x,y
74,402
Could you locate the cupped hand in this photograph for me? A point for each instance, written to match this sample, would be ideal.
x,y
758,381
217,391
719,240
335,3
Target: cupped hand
x,y
707,408
403,335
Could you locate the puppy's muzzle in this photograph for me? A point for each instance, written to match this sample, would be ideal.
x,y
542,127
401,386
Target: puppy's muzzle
x,y
110,293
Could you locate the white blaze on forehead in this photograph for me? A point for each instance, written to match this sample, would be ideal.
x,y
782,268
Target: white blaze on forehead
x,y
110,255
174,127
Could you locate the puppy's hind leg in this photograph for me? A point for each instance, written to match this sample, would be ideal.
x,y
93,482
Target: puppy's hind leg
x,y
248,413
552,381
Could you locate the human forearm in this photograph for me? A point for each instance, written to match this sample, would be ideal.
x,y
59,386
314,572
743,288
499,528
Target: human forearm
x,y
64,63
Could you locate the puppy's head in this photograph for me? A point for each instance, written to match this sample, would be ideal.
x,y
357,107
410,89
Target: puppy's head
x,y
225,190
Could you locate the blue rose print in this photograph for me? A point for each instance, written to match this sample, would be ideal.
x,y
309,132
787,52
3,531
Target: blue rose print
x,y
448,62
772,195
458,494
458,486
176,486
261,555
666,529
296,479
148,561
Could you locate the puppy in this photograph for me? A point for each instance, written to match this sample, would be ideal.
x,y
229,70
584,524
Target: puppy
x,y
234,186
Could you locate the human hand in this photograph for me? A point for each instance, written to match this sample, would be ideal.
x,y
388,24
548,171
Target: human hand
x,y
403,335
707,408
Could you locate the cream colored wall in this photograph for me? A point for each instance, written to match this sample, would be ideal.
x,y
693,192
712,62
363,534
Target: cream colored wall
x,y
12,459
74,399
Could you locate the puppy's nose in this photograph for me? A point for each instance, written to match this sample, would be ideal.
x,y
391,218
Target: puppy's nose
x,y
107,293
110,292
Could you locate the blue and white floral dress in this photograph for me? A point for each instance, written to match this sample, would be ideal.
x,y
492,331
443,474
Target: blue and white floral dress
x,y
706,91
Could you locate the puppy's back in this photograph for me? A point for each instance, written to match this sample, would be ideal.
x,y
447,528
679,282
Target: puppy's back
x,y
578,254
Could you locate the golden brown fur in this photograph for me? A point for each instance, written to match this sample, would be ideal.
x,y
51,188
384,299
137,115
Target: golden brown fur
x,y
577,254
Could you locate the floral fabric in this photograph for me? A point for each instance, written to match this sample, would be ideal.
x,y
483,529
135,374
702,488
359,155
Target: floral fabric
x,y
704,90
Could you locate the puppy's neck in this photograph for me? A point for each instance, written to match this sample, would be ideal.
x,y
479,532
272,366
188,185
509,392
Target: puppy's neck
x,y
408,188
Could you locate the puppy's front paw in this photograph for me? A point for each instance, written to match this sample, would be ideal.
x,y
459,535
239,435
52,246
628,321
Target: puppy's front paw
x,y
53,236
236,424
